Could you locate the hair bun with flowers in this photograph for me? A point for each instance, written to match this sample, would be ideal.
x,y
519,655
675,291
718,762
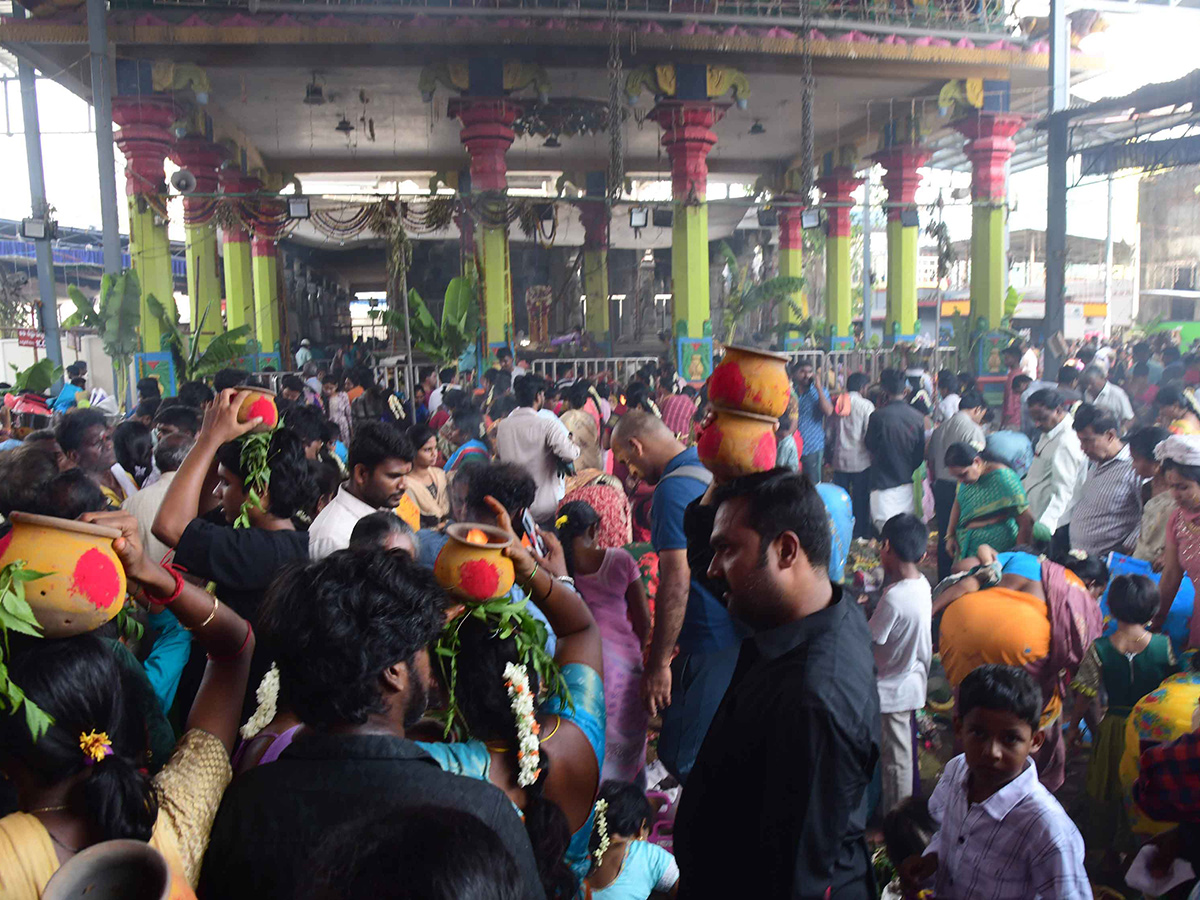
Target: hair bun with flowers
x,y
96,746
601,830
516,679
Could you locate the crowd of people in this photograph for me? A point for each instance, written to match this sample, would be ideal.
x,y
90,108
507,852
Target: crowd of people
x,y
687,690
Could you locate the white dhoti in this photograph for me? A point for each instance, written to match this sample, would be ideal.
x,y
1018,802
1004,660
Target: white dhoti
x,y
890,502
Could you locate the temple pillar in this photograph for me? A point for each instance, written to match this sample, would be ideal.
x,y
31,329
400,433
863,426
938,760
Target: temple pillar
x,y
791,255
264,273
593,212
487,134
145,140
901,180
235,245
201,157
836,188
989,146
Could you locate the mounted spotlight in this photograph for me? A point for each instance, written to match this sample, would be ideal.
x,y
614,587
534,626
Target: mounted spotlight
x,y
314,94
639,217
35,229
810,218
662,218
757,128
298,208
552,143
343,126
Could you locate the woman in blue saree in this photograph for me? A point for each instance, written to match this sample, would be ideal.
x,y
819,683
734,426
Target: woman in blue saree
x,y
554,786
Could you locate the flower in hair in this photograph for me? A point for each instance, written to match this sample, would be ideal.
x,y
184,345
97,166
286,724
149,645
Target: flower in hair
x,y
560,521
602,830
516,679
1076,553
95,746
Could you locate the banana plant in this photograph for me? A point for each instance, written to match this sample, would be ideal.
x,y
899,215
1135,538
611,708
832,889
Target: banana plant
x,y
445,342
116,317
38,378
745,296
191,362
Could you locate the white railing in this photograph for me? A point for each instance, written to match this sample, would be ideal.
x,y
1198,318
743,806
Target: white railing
x,y
871,362
620,367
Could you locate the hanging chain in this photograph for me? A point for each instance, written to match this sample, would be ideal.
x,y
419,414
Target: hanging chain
x,y
806,103
616,151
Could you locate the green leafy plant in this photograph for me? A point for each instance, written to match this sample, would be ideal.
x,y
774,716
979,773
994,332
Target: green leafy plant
x,y
1011,301
745,296
37,378
116,318
191,362
507,618
254,458
446,342
16,615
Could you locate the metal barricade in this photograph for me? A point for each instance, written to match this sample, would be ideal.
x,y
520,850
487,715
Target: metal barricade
x,y
621,367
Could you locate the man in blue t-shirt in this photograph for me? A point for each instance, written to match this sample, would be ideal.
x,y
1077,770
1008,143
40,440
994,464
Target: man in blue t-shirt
x,y
813,407
686,612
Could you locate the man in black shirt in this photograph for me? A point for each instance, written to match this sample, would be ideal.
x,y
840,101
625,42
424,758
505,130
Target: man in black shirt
x,y
776,803
351,635
896,441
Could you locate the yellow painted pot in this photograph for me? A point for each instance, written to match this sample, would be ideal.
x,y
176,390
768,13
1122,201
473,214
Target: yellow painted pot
x,y
737,443
472,565
752,381
85,582
117,870
257,402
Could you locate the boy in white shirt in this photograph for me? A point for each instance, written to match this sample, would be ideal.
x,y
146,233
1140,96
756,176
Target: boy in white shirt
x,y
901,630
1001,835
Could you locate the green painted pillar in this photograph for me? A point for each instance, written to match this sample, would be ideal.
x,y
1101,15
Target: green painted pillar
x,y
593,213
145,140
901,179
235,247
201,157
487,134
836,188
791,260
264,273
989,146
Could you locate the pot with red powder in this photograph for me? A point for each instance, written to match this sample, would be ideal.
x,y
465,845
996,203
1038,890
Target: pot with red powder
x,y
256,402
472,565
84,585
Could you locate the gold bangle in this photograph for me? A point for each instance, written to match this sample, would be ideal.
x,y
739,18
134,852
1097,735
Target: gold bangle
x,y
212,615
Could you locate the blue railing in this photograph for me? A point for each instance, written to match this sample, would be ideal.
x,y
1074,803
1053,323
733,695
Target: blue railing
x,y
78,256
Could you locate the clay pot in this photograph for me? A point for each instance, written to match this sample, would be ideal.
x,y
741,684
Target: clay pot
x,y
737,443
256,402
472,565
85,582
117,870
752,381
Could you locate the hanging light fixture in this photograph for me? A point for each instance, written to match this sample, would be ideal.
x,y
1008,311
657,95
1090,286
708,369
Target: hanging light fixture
x,y
552,143
314,94
343,126
757,128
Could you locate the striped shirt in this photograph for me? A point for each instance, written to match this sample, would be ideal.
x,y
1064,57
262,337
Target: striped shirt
x,y
1018,844
1108,509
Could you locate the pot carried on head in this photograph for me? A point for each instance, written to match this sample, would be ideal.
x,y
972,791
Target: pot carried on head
x,y
84,583
752,381
737,443
472,565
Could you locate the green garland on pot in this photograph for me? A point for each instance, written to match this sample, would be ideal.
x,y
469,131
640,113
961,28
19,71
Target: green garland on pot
x,y
16,615
509,618
254,460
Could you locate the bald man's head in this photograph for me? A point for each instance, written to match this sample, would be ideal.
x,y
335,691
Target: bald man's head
x,y
645,444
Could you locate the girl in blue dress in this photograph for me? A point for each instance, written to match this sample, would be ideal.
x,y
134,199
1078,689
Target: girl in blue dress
x,y
625,866
547,760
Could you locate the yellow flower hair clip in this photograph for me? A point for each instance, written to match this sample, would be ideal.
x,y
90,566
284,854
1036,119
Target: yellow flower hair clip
x,y
95,746
560,521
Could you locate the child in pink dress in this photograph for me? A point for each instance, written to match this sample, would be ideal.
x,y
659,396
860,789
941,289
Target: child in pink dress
x,y
609,583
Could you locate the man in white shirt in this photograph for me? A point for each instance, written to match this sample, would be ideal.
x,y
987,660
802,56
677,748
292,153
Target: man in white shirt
x,y
1103,394
304,354
1029,363
851,459
1059,470
948,397
530,440
901,632
144,505
381,456
449,378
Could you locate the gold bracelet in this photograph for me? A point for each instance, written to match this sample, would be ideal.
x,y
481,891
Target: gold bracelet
x,y
212,615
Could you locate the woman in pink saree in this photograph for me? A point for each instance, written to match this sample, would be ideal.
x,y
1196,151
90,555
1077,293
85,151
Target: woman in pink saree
x,y
610,583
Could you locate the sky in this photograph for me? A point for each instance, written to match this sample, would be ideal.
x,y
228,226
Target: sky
x,y
1151,46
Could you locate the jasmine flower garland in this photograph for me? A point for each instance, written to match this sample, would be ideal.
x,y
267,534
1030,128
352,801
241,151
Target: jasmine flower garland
x,y
516,679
